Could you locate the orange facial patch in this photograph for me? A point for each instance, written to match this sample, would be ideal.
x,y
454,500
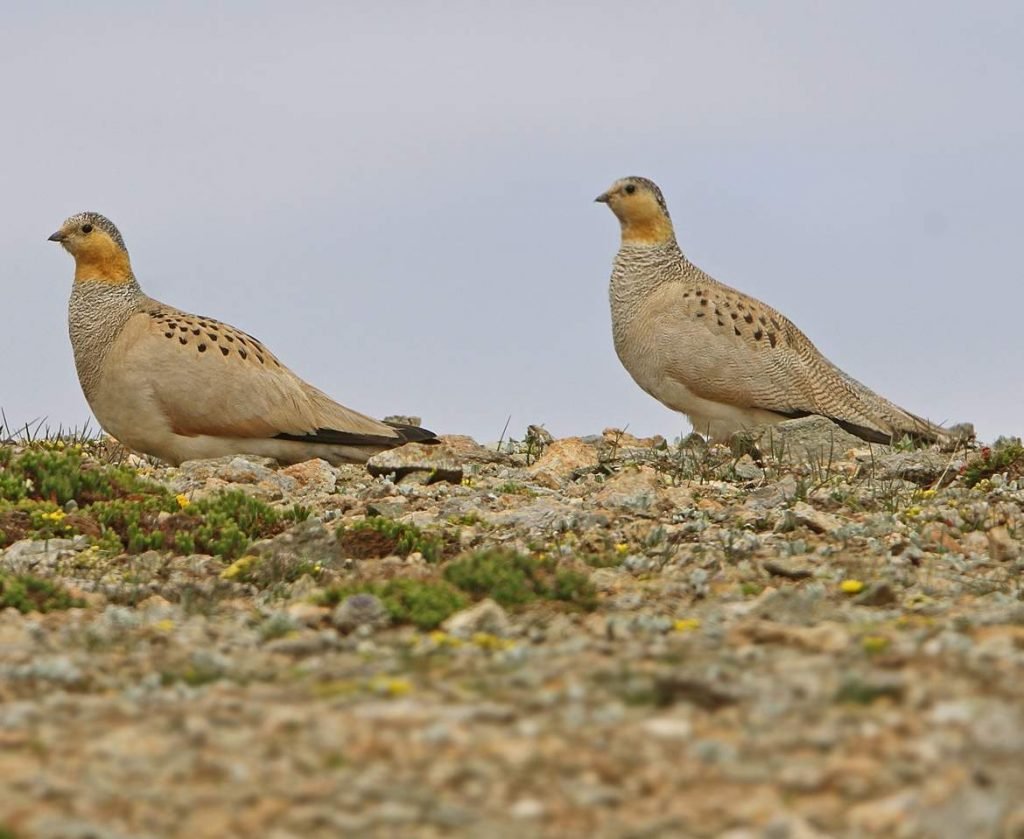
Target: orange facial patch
x,y
642,218
100,259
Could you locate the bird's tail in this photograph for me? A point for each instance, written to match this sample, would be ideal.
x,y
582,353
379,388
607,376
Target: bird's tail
x,y
413,433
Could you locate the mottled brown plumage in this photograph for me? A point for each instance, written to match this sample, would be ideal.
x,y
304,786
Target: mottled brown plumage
x,y
727,361
181,386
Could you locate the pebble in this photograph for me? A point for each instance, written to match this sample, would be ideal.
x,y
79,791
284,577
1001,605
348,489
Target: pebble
x,y
484,617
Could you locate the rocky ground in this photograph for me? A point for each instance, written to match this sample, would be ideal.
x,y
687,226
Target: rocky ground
x,y
599,636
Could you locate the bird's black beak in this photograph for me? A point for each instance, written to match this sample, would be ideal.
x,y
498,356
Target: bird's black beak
x,y
602,198
56,237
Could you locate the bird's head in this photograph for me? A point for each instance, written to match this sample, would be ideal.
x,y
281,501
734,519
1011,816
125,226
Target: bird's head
x,y
641,210
97,246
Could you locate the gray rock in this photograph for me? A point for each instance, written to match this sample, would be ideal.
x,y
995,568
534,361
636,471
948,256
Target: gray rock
x,y
922,467
806,516
256,475
636,491
359,610
29,554
772,496
814,440
801,607
788,568
308,543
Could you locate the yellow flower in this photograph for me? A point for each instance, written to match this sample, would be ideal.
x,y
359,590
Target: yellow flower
x,y
55,516
851,586
443,639
182,500
240,568
875,643
686,625
486,641
165,625
391,685
928,493
621,548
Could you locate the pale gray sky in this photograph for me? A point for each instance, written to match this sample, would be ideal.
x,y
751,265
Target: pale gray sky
x,y
398,197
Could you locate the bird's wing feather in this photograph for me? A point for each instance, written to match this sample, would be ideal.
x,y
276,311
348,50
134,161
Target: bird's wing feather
x,y
745,353
211,379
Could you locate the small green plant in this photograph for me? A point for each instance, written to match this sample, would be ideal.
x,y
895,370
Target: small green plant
x,y
1005,455
222,525
509,578
59,475
575,588
514,579
269,569
513,488
606,559
28,593
378,536
423,603
857,691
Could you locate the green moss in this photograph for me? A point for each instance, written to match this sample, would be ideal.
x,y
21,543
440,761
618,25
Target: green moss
x,y
378,536
28,593
857,691
56,475
228,523
513,488
607,559
222,525
514,579
509,578
423,603
575,588
120,511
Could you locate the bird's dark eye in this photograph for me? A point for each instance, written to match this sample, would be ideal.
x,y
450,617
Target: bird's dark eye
x,y
87,228
630,189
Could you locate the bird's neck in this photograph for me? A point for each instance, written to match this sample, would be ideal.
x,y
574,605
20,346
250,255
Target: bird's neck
x,y
97,312
639,270
653,229
104,265
645,266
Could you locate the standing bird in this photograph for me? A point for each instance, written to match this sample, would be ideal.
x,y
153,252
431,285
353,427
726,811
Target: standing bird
x,y
181,387
727,361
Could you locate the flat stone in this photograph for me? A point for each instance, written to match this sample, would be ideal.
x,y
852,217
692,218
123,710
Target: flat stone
x,y
561,459
635,490
486,616
923,467
790,569
814,440
313,476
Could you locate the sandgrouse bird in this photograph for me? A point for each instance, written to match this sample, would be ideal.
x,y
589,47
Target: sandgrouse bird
x,y
181,387
727,361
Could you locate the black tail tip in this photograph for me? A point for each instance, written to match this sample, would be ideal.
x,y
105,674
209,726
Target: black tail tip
x,y
414,434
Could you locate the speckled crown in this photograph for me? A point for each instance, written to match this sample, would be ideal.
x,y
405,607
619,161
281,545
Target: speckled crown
x,y
96,220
